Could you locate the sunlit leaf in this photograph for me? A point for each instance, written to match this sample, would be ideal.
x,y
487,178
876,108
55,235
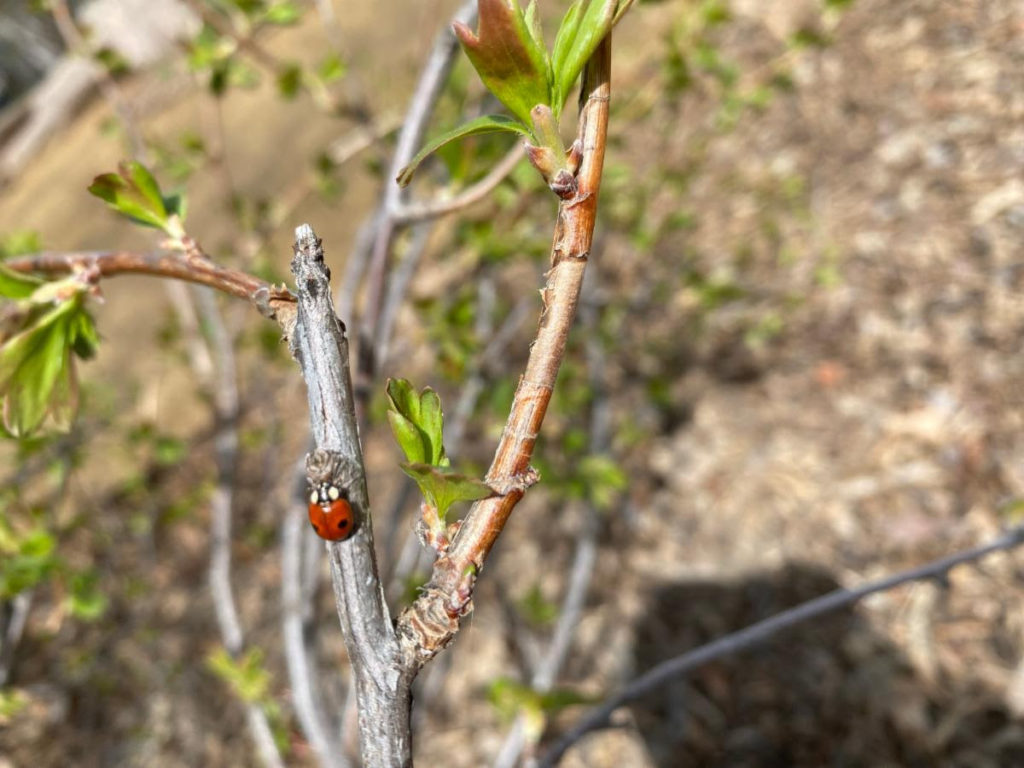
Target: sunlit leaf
x,y
442,487
585,29
282,13
37,376
19,242
510,61
417,422
17,285
132,192
331,68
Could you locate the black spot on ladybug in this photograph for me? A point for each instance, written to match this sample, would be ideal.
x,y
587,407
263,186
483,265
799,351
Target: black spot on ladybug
x,y
342,525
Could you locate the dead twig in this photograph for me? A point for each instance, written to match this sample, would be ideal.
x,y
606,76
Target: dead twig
x,y
762,631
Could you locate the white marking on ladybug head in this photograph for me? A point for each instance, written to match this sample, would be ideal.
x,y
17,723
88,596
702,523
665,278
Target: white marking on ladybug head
x,y
314,497
333,493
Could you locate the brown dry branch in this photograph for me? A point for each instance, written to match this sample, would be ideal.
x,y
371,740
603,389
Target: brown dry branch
x,y
762,631
382,682
194,266
433,620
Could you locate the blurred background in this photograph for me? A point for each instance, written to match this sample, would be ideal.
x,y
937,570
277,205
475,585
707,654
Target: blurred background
x,y
797,366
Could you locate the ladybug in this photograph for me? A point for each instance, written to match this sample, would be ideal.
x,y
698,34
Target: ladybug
x,y
330,513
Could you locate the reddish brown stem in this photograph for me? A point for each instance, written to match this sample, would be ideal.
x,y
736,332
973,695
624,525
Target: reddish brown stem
x,y
432,621
194,266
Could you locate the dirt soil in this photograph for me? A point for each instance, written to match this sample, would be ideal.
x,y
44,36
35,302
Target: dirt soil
x,y
813,382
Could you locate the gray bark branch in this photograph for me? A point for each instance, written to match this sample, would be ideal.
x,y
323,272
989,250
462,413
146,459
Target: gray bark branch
x,y
321,349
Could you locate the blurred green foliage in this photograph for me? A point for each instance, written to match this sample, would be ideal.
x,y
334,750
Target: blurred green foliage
x,y
249,680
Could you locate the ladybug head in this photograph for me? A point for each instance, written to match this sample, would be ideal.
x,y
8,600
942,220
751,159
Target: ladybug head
x,y
325,494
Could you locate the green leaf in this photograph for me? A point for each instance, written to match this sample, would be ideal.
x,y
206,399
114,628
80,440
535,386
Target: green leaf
x,y
603,479
585,26
63,402
283,13
246,675
176,204
417,422
485,124
140,176
536,609
31,561
558,699
532,19
564,40
19,242
511,62
442,487
37,376
16,285
30,363
86,601
12,702
112,60
331,68
413,443
133,192
510,697
289,80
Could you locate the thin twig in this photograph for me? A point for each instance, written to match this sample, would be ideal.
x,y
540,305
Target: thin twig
x,y
225,442
195,267
319,345
217,374
432,209
329,21
20,605
433,620
397,288
385,227
767,629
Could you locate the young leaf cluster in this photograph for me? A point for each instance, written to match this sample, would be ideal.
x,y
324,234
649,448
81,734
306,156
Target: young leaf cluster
x,y
133,192
43,327
509,54
417,423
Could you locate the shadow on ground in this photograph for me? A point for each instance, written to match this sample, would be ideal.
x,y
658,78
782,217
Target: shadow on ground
x,y
831,693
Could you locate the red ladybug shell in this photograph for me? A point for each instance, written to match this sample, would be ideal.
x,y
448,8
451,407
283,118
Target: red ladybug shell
x,y
330,514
